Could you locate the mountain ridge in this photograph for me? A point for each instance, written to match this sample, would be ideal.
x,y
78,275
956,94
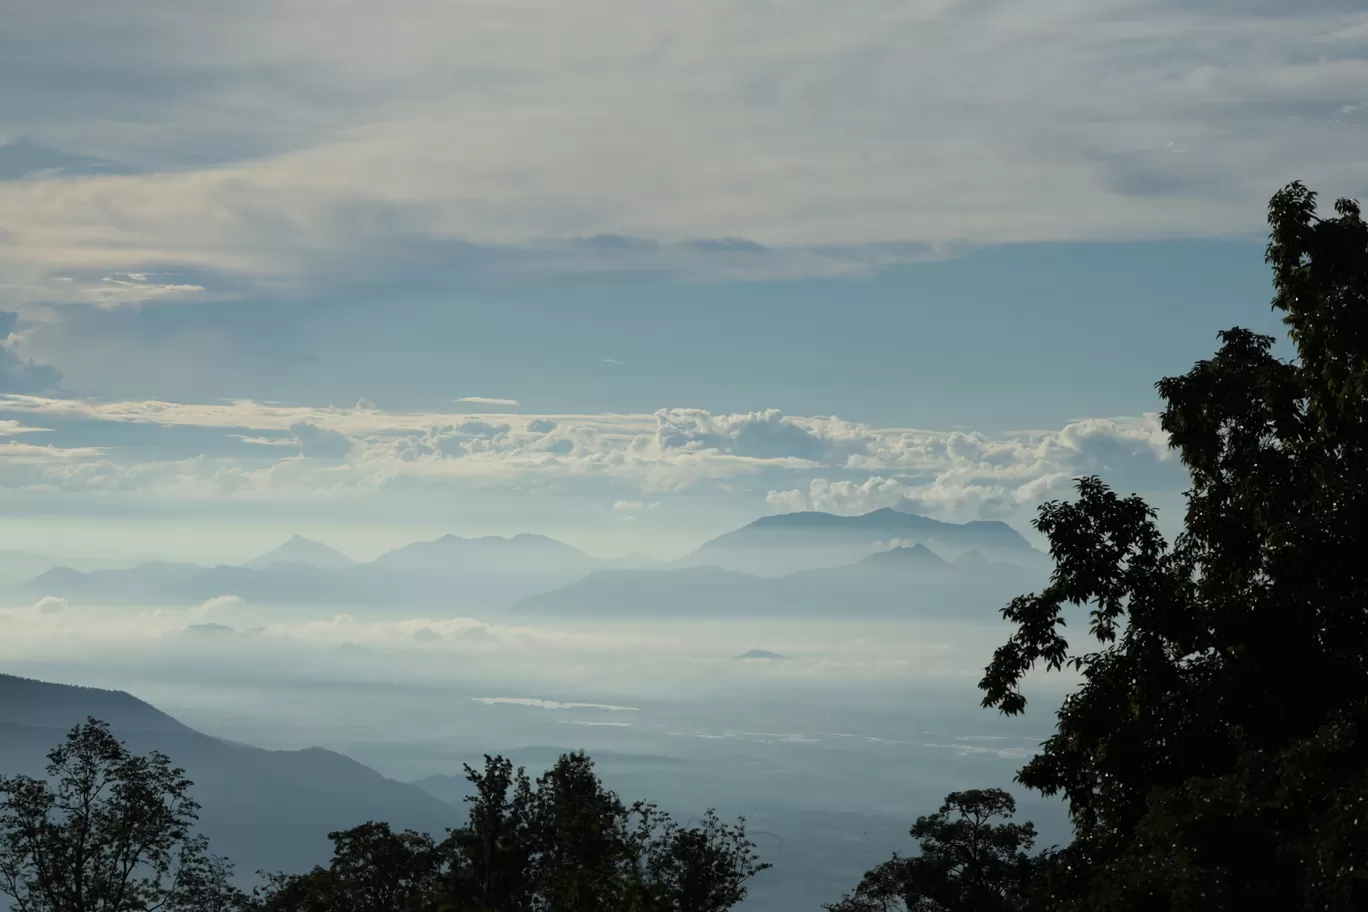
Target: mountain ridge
x,y
883,520
497,571
906,581
264,809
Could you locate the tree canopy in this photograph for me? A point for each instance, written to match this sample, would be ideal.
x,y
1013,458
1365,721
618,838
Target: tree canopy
x,y
107,831
1213,756
563,843
968,862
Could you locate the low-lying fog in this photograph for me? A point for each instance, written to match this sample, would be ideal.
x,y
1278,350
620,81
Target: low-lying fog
x,y
829,735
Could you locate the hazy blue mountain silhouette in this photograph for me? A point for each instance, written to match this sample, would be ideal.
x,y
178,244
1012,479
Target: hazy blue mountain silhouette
x,y
450,571
791,541
645,593
899,582
918,556
301,550
452,551
263,809
535,572
143,582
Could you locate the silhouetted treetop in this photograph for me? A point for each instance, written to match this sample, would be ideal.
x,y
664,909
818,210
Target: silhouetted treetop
x,y
1211,738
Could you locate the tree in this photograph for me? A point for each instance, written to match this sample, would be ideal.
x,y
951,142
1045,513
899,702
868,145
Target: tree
x,y
563,843
968,863
373,869
1217,737
697,869
107,831
567,843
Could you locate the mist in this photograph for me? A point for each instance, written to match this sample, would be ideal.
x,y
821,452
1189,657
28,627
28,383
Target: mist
x,y
829,725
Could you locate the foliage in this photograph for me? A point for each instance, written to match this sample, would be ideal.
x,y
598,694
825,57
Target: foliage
x,y
563,843
1213,756
372,868
107,831
968,863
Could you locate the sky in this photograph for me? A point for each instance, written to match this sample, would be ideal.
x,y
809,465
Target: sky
x,y
629,273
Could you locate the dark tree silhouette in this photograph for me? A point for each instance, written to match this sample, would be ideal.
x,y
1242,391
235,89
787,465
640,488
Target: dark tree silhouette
x,y
973,859
563,843
107,831
1213,757
373,868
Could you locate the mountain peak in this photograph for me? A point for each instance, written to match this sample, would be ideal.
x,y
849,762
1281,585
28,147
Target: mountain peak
x,y
301,550
917,555
764,654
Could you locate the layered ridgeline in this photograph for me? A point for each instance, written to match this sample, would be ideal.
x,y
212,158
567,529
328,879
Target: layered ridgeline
x,y
447,572
796,562
886,564
788,542
903,581
264,809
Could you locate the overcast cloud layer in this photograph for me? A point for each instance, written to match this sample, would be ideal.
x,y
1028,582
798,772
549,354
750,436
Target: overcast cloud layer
x,y
271,142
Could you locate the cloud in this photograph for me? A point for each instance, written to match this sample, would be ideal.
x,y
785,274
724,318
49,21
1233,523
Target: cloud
x,y
11,428
788,501
220,605
510,668
320,443
765,434
841,496
799,151
14,453
946,495
485,400
632,506
267,441
20,157
50,604
791,462
18,375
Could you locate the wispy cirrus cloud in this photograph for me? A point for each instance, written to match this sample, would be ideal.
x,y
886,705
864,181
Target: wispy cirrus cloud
x,y
487,400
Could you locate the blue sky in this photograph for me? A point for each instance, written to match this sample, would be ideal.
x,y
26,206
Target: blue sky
x,y
706,260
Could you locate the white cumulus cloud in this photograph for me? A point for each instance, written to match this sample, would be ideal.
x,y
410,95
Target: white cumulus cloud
x,y
50,604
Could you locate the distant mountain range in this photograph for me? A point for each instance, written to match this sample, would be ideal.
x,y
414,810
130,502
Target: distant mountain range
x,y
900,582
538,573
263,809
787,542
449,572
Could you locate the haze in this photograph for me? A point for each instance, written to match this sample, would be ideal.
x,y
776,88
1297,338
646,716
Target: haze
x,y
673,381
